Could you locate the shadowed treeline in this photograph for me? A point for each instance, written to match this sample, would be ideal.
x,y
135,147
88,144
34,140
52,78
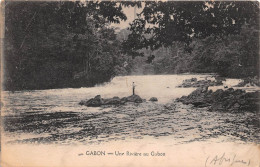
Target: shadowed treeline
x,y
71,44
61,44
198,37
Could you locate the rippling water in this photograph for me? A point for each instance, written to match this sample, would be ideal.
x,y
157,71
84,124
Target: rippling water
x,y
54,116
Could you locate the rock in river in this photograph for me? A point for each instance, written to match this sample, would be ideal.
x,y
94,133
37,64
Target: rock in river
x,y
113,101
133,98
223,100
93,102
193,82
97,101
153,99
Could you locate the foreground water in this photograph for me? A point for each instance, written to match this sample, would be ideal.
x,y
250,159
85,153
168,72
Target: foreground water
x,y
54,116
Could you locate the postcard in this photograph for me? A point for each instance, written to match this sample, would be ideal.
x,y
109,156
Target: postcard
x,y
130,83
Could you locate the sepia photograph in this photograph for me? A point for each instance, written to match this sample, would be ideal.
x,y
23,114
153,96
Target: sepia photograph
x,y
130,83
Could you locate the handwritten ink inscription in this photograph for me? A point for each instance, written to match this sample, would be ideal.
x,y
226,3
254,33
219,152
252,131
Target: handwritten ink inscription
x,y
225,160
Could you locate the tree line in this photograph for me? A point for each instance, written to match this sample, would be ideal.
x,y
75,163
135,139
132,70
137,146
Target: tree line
x,y
71,44
61,44
199,37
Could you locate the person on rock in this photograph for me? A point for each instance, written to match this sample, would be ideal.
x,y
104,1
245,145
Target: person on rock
x,y
133,88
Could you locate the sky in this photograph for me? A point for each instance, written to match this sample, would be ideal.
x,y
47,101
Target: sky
x,y
129,11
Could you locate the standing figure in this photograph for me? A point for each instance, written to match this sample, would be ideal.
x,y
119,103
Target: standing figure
x,y
134,88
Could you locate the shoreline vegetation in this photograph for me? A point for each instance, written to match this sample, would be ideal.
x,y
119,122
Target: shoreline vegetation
x,y
51,45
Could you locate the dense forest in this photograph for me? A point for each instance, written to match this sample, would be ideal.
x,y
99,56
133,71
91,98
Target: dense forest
x,y
72,44
198,37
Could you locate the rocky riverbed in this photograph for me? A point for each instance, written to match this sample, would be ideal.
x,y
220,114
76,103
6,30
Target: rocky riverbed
x,y
181,123
223,100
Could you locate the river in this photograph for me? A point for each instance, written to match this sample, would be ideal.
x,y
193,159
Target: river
x,y
54,116
50,128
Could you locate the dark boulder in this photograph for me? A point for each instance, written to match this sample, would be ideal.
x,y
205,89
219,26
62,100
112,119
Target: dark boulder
x,y
153,99
191,80
134,98
95,102
82,102
113,101
198,98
